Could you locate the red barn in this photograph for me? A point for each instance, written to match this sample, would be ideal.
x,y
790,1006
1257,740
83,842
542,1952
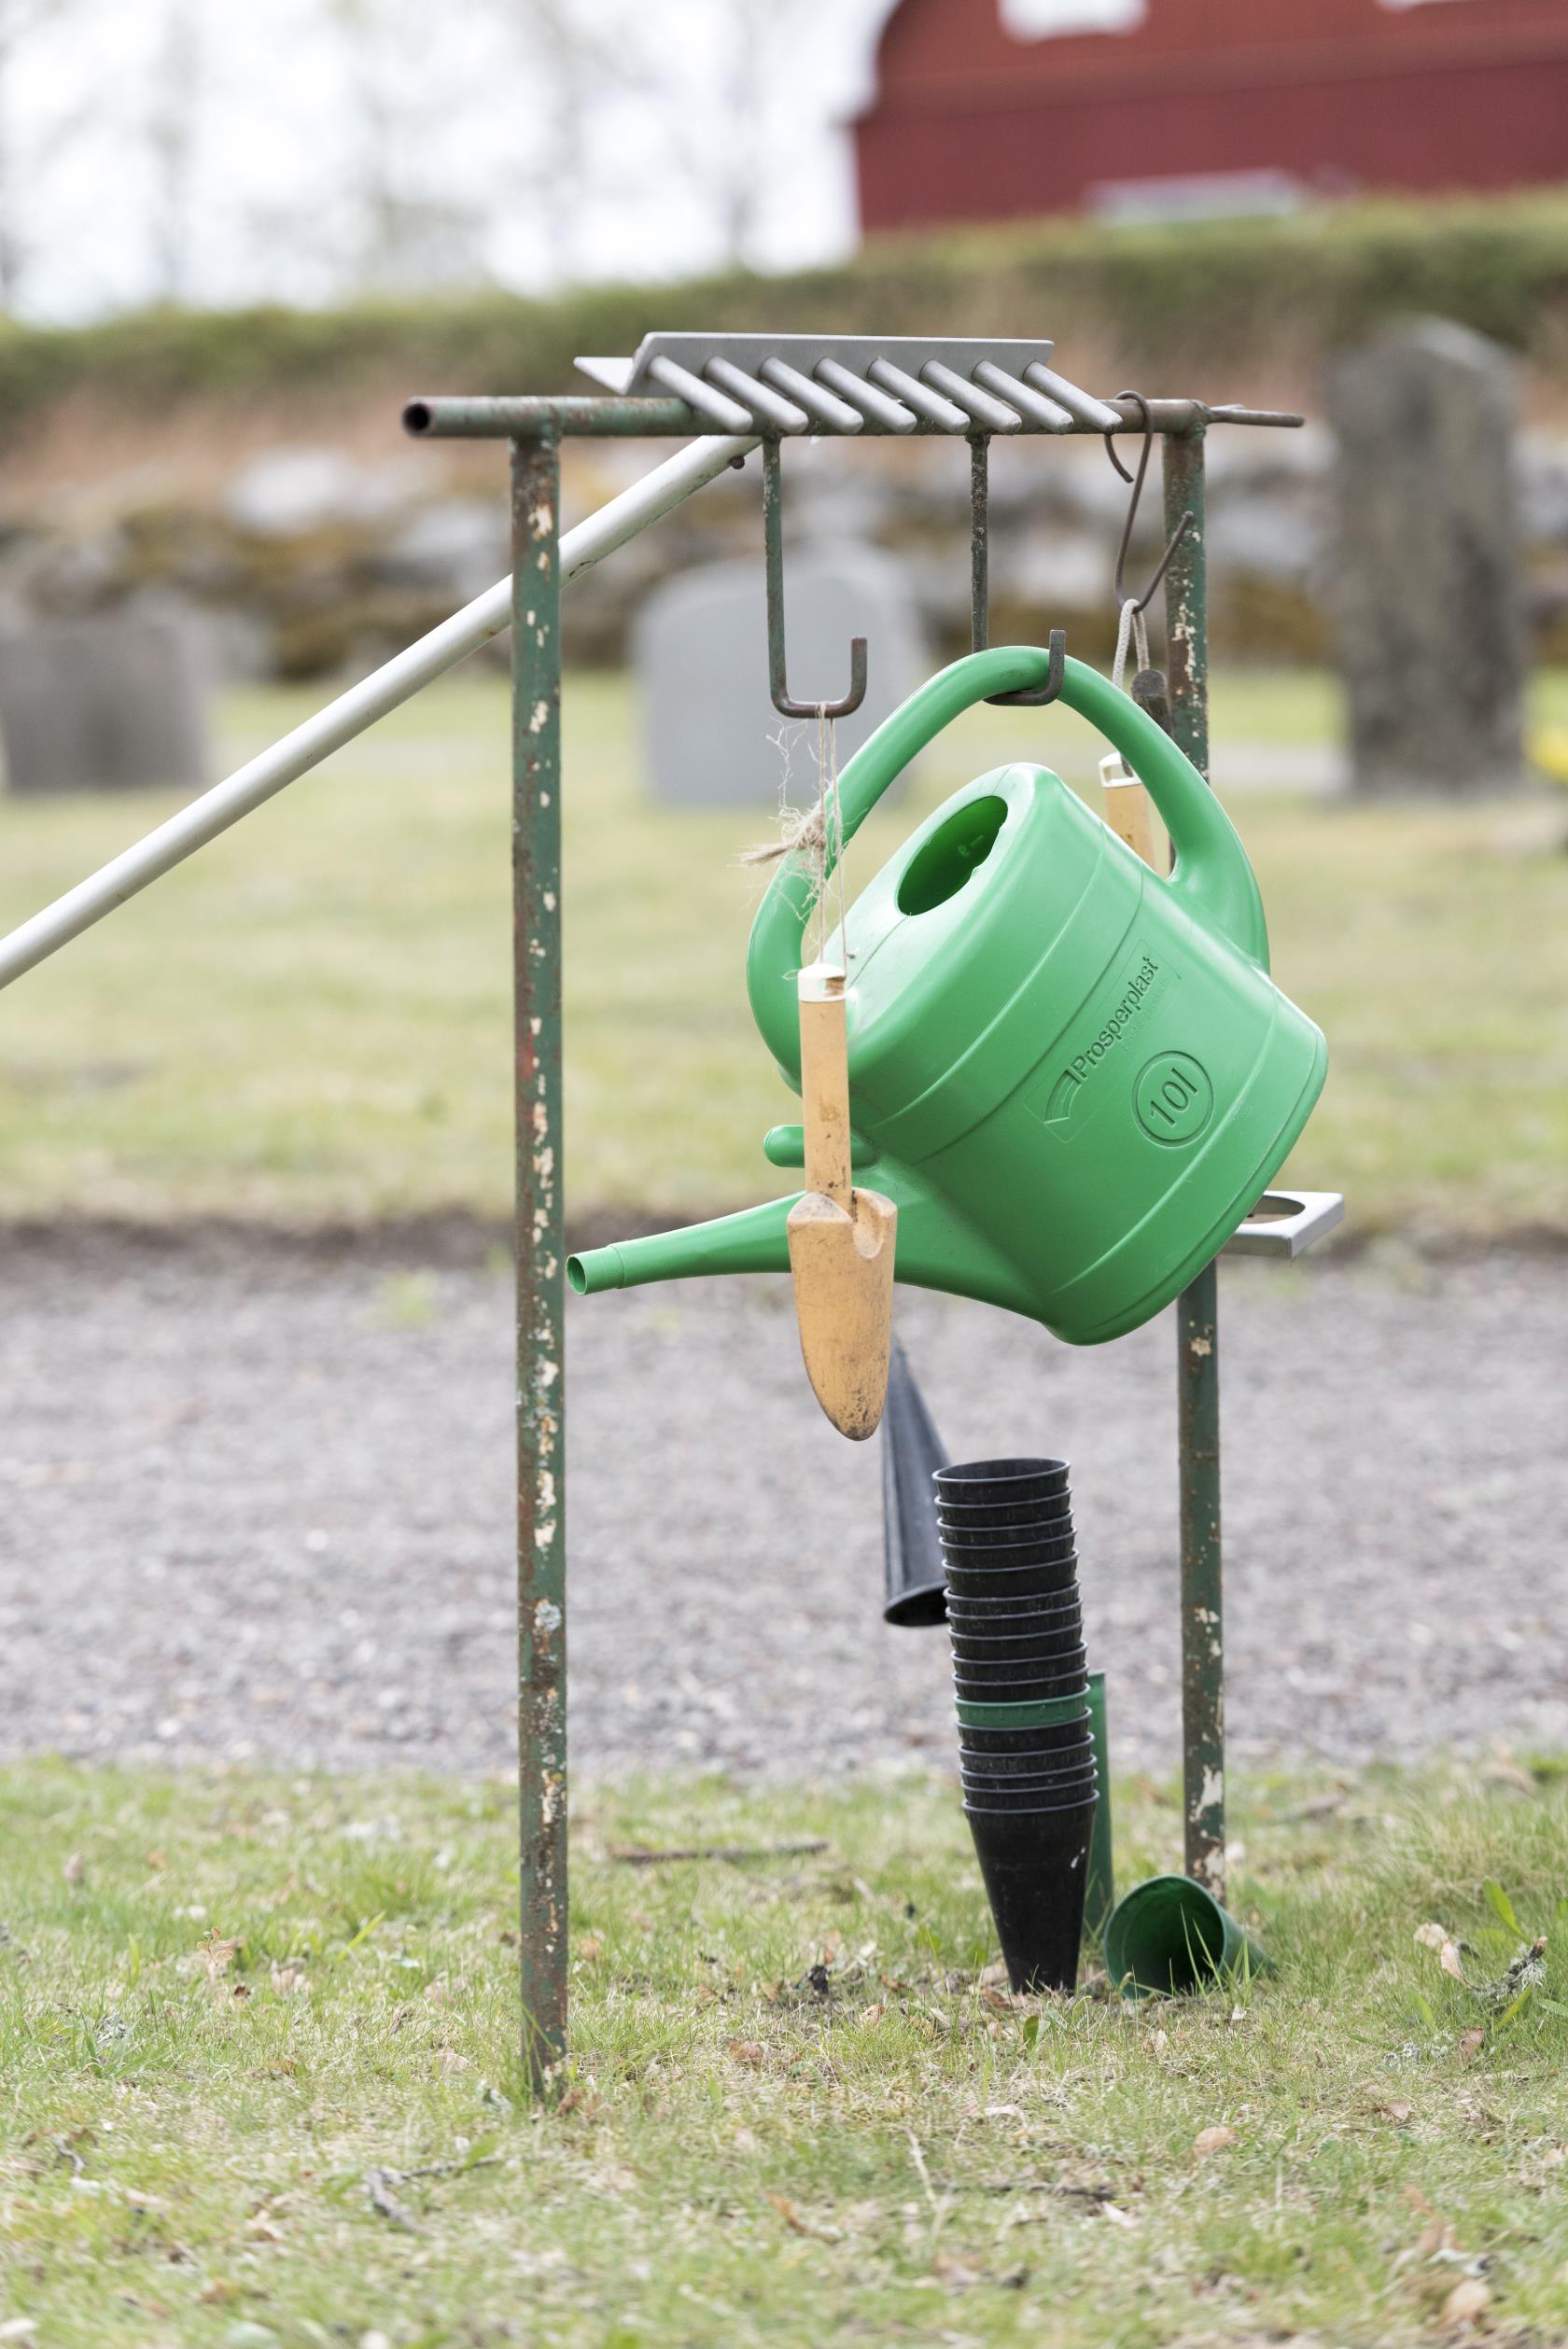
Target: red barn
x,y
1206,105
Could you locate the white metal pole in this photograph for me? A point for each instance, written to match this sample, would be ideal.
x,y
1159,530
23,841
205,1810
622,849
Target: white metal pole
x,y
263,777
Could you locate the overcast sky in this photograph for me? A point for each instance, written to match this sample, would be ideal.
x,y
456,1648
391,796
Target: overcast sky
x,y
225,151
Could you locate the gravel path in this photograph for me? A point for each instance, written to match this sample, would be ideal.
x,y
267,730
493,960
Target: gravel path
x,y
254,1501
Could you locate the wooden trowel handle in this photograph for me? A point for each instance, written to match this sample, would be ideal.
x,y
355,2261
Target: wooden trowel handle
x,y
824,1037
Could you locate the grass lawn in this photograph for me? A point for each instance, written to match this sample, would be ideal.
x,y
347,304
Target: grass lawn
x,y
261,2089
310,1022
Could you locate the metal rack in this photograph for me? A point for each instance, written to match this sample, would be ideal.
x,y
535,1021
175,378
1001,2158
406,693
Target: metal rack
x,y
754,390
726,395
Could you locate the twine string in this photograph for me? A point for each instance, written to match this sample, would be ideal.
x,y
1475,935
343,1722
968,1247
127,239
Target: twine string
x,y
816,838
1132,627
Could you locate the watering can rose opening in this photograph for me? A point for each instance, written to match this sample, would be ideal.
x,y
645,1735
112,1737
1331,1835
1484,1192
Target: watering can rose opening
x,y
1074,1075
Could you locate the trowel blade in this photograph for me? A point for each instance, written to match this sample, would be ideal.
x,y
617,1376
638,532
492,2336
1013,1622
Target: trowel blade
x,y
841,1265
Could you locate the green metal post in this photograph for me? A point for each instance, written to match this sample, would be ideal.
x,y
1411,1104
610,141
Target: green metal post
x,y
1100,1897
541,1246
1197,1308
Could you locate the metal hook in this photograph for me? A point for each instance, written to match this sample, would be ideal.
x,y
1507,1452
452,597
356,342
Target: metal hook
x,y
1177,535
773,544
1028,697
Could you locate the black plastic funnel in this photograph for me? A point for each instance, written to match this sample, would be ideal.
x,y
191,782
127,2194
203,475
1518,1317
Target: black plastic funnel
x,y
912,1453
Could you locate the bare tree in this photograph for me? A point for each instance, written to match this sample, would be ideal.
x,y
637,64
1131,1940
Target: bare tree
x,y
173,126
732,97
409,226
24,157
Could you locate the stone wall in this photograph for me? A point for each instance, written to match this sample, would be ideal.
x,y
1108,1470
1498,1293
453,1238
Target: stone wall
x,y
311,562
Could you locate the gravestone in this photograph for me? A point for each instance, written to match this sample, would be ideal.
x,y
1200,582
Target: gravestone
x,y
700,649
1430,590
113,703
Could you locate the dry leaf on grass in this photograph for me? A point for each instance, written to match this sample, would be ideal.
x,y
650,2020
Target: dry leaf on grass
x,y
217,1954
1470,2044
1431,1936
590,1946
1467,2303
1214,2140
748,2050
74,1868
799,2225
958,2274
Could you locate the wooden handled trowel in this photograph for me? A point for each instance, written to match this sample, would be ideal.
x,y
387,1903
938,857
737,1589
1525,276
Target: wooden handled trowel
x,y
841,1238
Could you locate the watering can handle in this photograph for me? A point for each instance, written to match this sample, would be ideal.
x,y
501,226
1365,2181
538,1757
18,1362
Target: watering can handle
x,y
1211,875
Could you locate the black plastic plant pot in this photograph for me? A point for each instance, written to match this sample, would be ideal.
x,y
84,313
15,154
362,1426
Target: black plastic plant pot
x,y
914,1584
1000,1480
1026,1761
1047,1792
1029,1794
1034,1806
1013,1610
961,1550
1001,1516
989,1643
1028,1644
1021,1598
1044,1524
1043,1578
1017,1681
1048,1736
1017,1525
1035,1866
1025,1533
1044,1684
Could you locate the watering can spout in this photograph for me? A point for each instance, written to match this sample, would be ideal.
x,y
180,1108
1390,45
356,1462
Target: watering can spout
x,y
755,1241
936,1248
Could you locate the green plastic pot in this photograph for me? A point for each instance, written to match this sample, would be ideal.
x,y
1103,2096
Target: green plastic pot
x,y
1170,1935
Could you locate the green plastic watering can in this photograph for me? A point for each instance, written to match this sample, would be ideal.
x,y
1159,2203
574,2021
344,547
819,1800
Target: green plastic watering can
x,y
1073,1076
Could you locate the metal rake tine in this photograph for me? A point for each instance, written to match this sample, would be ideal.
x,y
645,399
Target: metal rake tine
x,y
941,412
981,406
767,407
891,414
832,412
714,405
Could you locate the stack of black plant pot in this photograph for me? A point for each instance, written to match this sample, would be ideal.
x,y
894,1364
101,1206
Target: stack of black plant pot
x,y
1025,1744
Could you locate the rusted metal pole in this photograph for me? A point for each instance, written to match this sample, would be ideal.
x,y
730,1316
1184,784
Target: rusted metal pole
x,y
1197,1308
540,1247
